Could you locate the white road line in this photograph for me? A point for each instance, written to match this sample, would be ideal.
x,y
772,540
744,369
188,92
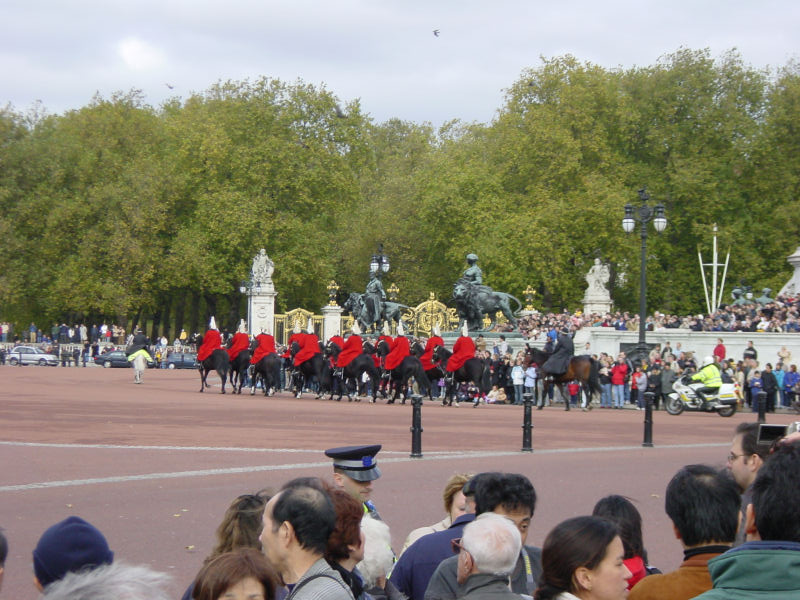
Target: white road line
x,y
469,455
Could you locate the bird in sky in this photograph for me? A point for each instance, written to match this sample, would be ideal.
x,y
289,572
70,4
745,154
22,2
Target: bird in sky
x,y
172,87
436,32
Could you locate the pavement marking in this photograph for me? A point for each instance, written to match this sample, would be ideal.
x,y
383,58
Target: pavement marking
x,y
261,468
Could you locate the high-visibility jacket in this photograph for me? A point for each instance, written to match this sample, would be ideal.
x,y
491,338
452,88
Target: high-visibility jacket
x,y
709,376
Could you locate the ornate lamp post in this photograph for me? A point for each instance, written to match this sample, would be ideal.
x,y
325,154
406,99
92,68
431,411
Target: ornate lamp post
x,y
644,214
379,263
393,292
333,289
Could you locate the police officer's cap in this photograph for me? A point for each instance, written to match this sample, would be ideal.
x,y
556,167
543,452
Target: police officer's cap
x,y
357,462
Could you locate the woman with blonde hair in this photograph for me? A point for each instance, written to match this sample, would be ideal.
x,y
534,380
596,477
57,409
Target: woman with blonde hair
x,y
454,507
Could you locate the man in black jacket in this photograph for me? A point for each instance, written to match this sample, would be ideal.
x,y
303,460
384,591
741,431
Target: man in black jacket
x,y
770,386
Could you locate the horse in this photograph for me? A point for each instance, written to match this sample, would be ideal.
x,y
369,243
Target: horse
x,y
474,369
434,374
355,305
583,368
354,371
268,372
139,365
218,361
409,367
239,367
473,301
307,371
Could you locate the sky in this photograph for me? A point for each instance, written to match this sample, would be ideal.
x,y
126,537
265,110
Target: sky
x,y
383,53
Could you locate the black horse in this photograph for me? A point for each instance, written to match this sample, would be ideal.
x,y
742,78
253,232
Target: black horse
x,y
409,367
583,368
239,367
307,371
353,372
268,372
434,374
218,361
475,370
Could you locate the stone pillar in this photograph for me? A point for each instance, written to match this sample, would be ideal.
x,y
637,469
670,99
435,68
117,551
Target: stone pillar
x,y
331,321
261,308
792,288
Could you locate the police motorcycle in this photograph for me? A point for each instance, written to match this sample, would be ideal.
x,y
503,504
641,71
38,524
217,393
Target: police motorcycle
x,y
684,396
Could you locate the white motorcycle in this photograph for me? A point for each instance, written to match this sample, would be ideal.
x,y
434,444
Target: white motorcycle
x,y
684,397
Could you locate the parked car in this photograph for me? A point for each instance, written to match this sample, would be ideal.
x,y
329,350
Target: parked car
x,y
30,355
182,360
116,358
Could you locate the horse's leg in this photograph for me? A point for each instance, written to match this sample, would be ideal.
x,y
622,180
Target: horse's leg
x,y
223,377
202,378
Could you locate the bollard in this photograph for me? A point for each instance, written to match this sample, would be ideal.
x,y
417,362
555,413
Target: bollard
x,y
648,420
762,406
416,426
527,426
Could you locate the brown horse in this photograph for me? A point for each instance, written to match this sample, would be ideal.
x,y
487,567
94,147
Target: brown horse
x,y
583,368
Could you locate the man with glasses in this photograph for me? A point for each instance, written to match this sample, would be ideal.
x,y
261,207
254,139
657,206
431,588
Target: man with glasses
x,y
512,497
744,461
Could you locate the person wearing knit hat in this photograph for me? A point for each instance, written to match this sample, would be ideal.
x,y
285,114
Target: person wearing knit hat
x,y
71,545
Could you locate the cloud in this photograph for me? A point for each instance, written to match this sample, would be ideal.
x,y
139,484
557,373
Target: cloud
x,y
139,55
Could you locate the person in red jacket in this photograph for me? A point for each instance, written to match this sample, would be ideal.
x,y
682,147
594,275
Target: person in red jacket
x,y
266,346
427,356
719,351
618,374
240,342
463,350
212,340
400,349
353,346
309,346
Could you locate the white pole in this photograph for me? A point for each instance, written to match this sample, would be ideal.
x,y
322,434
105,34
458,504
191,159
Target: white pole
x,y
724,273
705,285
714,271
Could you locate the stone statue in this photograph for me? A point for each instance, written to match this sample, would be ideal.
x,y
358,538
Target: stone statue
x,y
473,299
764,298
738,299
374,298
597,278
262,267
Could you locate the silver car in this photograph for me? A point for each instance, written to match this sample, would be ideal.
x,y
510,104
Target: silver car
x,y
30,355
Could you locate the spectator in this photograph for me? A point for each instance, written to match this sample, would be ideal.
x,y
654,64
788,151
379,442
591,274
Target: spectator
x,y
455,505
582,558
766,565
488,552
118,581
703,505
509,495
69,546
242,574
3,555
755,387
640,384
346,545
745,459
621,511
769,384
605,384
378,560
790,384
750,353
240,528
719,351
619,373
297,524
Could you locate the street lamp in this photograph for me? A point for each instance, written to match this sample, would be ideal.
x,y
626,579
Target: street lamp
x,y
644,216
380,262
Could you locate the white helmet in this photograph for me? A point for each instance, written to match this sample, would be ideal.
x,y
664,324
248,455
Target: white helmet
x,y
707,360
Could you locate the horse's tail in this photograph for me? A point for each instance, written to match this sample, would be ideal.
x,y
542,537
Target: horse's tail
x,y
594,376
420,376
486,378
515,299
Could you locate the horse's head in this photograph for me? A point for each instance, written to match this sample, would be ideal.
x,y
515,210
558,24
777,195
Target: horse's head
x,y
368,348
294,348
332,349
417,349
439,353
382,348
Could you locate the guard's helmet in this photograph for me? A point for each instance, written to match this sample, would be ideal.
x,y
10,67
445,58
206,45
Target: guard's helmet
x,y
708,360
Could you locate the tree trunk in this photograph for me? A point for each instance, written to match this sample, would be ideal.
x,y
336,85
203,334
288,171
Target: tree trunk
x,y
194,315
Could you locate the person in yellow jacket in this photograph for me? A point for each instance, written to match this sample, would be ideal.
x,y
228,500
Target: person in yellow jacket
x,y
709,375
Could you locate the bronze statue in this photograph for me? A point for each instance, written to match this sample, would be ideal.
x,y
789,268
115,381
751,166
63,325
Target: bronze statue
x,y
473,299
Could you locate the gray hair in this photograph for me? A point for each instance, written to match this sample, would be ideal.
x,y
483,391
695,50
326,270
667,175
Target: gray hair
x,y
378,556
494,543
118,580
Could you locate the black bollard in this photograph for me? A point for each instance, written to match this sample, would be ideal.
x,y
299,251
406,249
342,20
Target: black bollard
x,y
416,426
762,406
648,420
527,425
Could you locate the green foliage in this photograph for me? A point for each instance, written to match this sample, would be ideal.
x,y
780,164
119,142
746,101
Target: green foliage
x,y
111,209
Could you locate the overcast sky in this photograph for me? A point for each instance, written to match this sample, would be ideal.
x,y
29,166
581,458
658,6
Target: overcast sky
x,y
383,52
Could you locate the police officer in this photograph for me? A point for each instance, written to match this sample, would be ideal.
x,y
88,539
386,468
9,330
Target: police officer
x,y
709,376
354,470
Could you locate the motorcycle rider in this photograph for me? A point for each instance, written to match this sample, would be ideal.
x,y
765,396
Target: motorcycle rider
x,y
709,376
